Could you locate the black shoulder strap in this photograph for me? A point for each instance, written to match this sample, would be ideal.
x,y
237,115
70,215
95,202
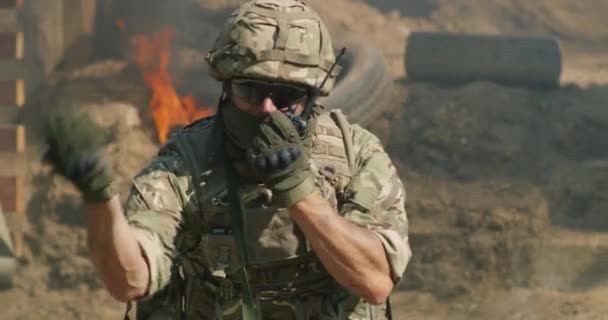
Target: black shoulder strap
x,y
187,148
194,220
251,307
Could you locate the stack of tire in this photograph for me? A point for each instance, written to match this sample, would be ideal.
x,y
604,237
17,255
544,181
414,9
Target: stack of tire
x,y
364,87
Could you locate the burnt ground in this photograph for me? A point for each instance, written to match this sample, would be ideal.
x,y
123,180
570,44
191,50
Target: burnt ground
x,y
506,186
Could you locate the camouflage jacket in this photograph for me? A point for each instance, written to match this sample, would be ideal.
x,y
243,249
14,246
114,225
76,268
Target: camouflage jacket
x,y
187,238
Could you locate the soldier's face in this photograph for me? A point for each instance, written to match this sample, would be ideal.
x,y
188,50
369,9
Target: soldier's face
x,y
260,99
263,109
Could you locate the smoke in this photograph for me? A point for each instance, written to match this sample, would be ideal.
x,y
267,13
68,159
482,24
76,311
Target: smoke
x,y
196,26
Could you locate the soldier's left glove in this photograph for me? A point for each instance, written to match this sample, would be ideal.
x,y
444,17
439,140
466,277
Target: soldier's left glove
x,y
73,141
280,158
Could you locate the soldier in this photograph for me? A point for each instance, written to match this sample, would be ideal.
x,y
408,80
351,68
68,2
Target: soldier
x,y
260,212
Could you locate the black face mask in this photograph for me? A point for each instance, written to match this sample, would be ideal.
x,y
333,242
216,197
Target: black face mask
x,y
240,126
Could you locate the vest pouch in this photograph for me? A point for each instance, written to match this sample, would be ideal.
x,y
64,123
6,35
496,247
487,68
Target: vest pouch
x,y
271,236
222,252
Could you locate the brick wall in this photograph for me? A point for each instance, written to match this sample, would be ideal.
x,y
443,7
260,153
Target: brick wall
x,y
14,66
11,194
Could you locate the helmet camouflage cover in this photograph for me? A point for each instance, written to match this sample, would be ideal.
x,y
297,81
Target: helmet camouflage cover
x,y
274,40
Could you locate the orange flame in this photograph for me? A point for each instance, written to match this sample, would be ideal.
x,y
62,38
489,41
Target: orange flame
x,y
152,54
121,23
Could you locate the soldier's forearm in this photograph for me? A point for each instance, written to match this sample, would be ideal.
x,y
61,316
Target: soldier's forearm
x,y
115,251
354,256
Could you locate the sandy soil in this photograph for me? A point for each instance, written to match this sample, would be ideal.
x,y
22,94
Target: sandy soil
x,y
506,186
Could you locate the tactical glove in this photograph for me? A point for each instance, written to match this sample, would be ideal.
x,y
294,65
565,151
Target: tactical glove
x,y
279,156
72,141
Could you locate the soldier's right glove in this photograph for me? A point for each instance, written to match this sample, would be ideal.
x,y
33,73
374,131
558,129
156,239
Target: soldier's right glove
x,y
73,141
279,156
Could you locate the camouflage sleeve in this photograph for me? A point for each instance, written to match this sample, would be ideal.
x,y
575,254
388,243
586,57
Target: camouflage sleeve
x,y
375,198
154,210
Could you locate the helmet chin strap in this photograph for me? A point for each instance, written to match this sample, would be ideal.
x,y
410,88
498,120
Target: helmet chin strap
x,y
238,125
221,105
224,99
225,93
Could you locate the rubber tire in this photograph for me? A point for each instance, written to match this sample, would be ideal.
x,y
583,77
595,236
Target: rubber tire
x,y
365,87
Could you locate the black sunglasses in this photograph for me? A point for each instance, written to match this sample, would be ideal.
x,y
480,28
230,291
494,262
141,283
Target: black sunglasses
x,y
254,92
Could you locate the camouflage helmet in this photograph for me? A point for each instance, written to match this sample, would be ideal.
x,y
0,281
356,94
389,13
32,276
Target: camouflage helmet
x,y
274,40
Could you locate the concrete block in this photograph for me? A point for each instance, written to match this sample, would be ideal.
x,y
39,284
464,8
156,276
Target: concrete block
x,y
459,58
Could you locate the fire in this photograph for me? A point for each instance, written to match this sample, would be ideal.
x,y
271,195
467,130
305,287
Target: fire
x,y
121,23
152,55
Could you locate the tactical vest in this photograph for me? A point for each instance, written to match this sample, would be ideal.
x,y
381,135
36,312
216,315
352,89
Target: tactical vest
x,y
281,265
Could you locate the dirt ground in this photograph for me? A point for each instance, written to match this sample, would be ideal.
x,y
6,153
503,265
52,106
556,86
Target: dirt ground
x,y
507,186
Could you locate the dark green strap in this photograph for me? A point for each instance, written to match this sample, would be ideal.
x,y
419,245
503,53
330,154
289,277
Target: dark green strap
x,y
193,221
251,308
195,226
250,305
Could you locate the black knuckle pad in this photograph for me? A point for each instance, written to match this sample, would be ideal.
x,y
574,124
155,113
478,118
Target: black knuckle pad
x,y
294,153
93,161
82,166
251,158
71,167
273,160
261,164
284,158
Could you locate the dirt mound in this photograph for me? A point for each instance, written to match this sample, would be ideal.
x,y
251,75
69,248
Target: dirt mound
x,y
467,234
469,131
491,171
554,139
